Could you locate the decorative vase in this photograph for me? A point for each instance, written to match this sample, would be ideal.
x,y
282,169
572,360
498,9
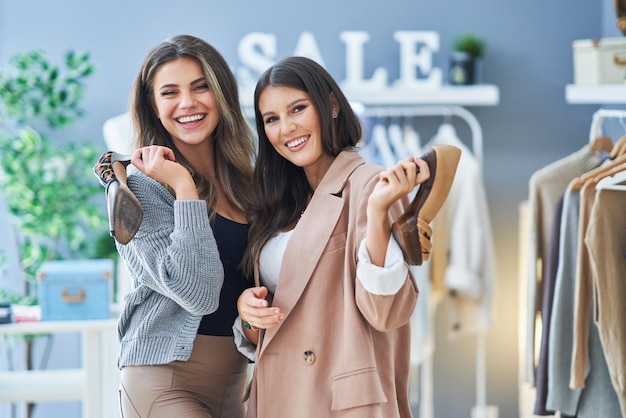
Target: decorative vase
x,y
462,68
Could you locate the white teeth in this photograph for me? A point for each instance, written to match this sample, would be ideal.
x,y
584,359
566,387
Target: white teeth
x,y
297,142
186,119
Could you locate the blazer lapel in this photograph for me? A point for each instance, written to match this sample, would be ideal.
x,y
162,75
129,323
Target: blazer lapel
x,y
311,235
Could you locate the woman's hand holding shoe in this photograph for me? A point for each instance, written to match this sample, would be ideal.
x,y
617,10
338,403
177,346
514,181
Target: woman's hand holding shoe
x,y
160,164
393,184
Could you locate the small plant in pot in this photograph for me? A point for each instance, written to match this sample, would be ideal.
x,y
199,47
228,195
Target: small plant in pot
x,y
468,49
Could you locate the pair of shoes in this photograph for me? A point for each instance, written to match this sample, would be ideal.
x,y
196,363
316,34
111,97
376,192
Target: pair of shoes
x,y
411,230
123,207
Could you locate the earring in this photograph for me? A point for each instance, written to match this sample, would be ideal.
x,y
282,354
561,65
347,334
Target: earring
x,y
334,116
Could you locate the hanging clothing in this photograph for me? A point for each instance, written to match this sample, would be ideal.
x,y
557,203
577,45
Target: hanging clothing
x,y
412,140
546,312
462,238
379,137
594,400
546,186
606,240
560,397
582,291
400,151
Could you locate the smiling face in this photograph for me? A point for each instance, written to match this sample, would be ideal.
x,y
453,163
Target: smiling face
x,y
291,124
184,103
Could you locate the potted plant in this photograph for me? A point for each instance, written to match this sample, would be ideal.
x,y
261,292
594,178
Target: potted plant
x,y
5,303
47,184
468,49
49,188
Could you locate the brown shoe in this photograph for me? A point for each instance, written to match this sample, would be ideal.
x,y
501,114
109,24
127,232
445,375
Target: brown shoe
x,y
411,229
125,211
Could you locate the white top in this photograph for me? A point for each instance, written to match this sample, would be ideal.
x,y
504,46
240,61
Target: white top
x,y
271,258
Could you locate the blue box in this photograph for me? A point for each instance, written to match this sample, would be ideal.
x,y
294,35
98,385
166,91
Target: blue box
x,y
75,289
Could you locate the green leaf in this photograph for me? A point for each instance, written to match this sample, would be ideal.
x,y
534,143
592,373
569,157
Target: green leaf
x,y
54,201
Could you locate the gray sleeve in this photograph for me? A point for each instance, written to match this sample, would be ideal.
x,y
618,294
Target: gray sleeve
x,y
244,346
174,252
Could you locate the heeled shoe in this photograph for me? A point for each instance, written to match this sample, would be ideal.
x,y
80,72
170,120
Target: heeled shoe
x,y
411,230
123,207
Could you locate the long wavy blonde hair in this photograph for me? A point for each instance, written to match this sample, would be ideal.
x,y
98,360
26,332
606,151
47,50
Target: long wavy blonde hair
x,y
233,140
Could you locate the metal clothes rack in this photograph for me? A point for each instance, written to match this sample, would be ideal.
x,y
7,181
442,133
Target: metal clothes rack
x,y
477,149
600,115
445,111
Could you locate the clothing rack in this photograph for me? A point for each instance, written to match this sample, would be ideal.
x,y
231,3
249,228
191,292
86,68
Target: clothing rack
x,y
600,115
477,149
445,111
597,129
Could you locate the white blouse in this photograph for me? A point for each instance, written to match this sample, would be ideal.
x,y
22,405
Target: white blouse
x,y
271,258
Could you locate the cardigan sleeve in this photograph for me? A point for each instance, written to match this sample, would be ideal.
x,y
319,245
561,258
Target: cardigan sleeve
x,y
174,251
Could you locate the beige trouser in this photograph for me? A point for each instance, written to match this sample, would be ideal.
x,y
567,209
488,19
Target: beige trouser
x,y
209,385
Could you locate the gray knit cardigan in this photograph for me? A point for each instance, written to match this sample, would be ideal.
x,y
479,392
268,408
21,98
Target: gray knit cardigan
x,y
176,276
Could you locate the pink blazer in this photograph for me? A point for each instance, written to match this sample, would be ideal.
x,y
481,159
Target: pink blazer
x,y
341,351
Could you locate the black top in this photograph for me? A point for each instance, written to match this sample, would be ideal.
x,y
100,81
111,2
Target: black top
x,y
231,238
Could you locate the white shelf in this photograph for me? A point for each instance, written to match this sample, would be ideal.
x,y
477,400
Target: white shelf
x,y
58,327
595,93
472,95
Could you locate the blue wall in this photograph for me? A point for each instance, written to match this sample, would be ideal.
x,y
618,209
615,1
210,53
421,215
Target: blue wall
x,y
529,57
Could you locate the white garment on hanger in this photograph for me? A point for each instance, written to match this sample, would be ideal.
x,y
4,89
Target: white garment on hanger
x,y
412,140
379,137
471,260
118,134
446,134
395,138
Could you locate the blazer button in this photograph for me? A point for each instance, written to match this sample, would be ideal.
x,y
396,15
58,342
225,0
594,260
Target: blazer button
x,y
309,358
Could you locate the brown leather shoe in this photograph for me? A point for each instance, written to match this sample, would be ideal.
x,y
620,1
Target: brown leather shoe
x,y
123,207
411,229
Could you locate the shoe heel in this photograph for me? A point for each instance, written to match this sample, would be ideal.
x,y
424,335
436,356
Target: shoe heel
x,y
407,237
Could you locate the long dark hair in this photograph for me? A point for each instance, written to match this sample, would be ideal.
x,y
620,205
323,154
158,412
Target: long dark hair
x,y
281,188
233,140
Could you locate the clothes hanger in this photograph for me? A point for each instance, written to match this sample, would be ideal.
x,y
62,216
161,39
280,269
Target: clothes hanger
x,y
379,136
578,182
619,148
614,181
620,145
412,139
601,143
446,130
597,142
395,137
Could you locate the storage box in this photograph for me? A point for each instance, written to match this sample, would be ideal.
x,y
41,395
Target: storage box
x,y
75,289
600,61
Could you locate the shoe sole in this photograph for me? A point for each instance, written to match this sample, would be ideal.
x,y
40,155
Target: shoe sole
x,y
125,211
